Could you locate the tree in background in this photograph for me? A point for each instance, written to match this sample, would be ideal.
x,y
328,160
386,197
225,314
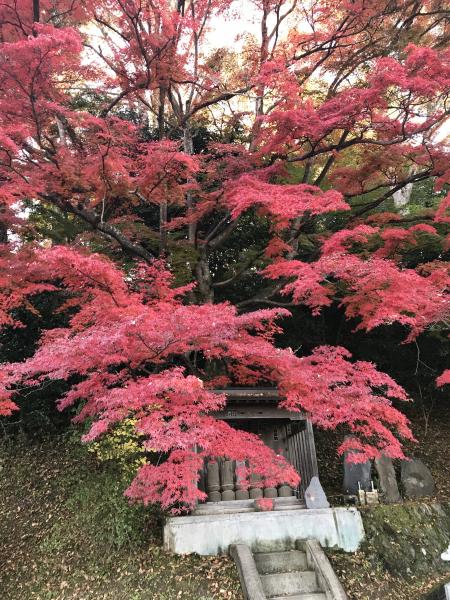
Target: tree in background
x,y
265,170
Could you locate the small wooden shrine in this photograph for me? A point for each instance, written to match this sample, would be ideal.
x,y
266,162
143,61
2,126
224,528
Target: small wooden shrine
x,y
288,433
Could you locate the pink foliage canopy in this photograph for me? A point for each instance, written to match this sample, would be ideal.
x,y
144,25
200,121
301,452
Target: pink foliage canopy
x,y
334,118
123,340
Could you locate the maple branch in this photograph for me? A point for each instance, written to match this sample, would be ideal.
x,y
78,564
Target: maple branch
x,y
375,203
243,269
330,161
263,297
132,248
223,236
220,98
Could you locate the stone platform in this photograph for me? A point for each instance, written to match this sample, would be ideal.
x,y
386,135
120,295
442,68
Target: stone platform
x,y
213,533
239,506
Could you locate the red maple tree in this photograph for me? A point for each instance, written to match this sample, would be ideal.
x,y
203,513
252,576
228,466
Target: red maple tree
x,y
341,104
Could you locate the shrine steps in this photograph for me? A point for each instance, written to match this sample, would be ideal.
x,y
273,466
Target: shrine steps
x,y
303,573
288,584
280,562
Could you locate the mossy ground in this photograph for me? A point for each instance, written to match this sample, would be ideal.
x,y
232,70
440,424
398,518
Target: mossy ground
x,y
67,533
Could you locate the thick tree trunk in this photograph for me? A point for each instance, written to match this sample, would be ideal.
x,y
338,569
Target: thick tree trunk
x,y
204,291
163,206
188,147
259,101
36,11
3,233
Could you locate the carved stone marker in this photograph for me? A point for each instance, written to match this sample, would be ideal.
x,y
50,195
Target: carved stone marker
x,y
285,491
241,492
213,481
417,480
227,480
315,496
255,492
387,480
354,474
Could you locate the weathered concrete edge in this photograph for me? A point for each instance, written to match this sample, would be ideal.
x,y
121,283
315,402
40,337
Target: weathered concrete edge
x,y
248,573
317,560
213,534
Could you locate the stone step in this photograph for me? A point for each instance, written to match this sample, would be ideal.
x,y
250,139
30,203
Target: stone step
x,y
280,562
244,506
246,503
307,596
288,584
219,510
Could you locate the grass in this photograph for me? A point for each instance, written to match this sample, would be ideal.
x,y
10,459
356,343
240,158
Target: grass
x,y
67,533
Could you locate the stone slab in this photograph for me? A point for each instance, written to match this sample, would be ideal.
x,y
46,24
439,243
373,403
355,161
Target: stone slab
x,y
264,531
288,584
280,562
356,476
387,479
417,480
309,596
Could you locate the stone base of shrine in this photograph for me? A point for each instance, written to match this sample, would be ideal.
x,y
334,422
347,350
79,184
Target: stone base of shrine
x,y
212,534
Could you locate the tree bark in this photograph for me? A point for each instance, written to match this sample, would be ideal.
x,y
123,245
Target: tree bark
x,y
3,233
188,147
204,290
163,210
36,11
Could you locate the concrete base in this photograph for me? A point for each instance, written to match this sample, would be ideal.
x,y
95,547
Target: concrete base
x,y
264,531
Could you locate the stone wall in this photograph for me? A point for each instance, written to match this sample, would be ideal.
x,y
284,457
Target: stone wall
x,y
264,531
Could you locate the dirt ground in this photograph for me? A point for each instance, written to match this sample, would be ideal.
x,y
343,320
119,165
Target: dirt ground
x,y
66,533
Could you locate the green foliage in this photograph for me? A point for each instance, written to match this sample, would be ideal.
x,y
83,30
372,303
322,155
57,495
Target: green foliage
x,y
121,447
49,223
